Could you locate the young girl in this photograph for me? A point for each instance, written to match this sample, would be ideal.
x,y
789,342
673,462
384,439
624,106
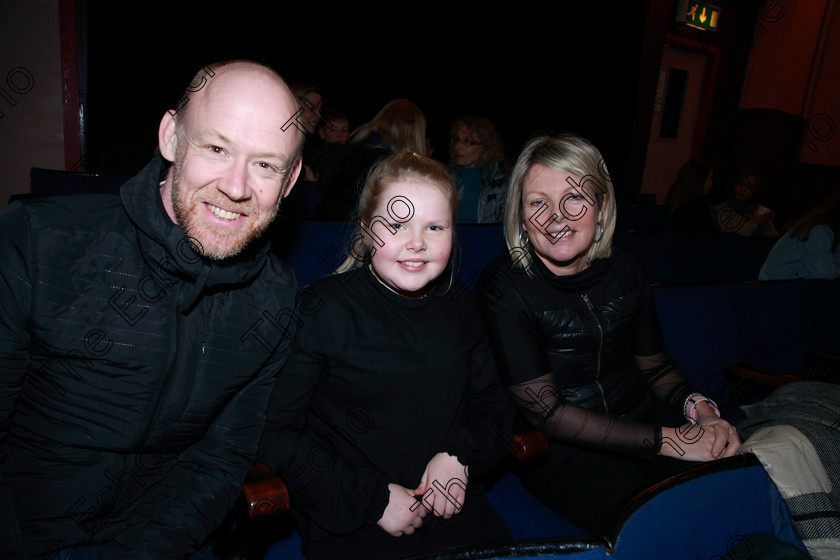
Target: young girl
x,y
390,404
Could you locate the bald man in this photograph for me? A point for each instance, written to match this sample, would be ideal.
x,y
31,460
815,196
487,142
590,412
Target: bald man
x,y
140,334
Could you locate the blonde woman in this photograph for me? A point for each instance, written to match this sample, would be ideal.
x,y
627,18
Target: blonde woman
x,y
578,342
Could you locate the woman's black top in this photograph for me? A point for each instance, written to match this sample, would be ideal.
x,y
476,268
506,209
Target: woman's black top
x,y
582,354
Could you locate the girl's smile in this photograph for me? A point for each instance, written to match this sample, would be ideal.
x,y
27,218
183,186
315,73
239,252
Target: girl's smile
x,y
415,251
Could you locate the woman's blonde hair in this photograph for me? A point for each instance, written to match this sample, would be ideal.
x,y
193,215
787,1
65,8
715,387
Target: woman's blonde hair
x,y
566,154
401,125
404,166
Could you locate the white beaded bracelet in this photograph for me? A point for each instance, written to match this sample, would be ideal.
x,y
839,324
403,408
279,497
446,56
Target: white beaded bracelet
x,y
690,406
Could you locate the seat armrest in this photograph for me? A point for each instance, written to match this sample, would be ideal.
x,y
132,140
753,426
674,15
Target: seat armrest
x,y
265,493
527,445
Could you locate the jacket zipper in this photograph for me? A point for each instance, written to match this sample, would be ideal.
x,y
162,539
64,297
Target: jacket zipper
x,y
600,350
169,374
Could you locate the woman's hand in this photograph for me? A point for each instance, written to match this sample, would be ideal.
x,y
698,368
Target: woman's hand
x,y
446,498
403,515
726,441
686,443
711,438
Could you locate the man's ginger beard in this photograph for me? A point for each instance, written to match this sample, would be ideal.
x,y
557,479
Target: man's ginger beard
x,y
214,243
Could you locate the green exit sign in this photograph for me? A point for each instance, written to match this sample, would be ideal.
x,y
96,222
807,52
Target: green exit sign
x,y
698,14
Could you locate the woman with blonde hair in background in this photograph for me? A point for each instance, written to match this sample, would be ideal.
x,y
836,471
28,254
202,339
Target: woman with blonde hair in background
x,y
399,126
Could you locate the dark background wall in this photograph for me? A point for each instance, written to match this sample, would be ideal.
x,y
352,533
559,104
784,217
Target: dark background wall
x,y
585,67
528,66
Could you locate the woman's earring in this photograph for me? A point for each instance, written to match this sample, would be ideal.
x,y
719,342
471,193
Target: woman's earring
x,y
599,233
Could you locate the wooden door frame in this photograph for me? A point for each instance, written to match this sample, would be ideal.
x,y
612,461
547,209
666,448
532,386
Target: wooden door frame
x,y
707,93
72,109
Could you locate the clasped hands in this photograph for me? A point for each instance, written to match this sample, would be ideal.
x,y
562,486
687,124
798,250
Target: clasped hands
x,y
442,490
711,438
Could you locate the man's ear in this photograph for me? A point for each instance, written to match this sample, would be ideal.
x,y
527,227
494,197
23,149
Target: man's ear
x,y
167,137
292,177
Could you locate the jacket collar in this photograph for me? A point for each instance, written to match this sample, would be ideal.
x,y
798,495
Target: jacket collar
x,y
165,247
578,282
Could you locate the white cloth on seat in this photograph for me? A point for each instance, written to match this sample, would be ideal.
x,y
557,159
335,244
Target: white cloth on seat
x,y
790,459
795,433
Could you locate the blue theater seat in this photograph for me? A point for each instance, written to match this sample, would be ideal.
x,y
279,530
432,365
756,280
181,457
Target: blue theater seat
x,y
479,245
530,522
704,512
696,322
779,322
767,326
672,257
724,506
286,549
312,248
524,515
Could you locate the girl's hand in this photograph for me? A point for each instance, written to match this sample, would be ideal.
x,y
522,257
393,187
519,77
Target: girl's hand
x,y
403,515
443,486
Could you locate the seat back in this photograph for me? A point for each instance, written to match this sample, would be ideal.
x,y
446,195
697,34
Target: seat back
x,y
302,201
703,512
696,323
